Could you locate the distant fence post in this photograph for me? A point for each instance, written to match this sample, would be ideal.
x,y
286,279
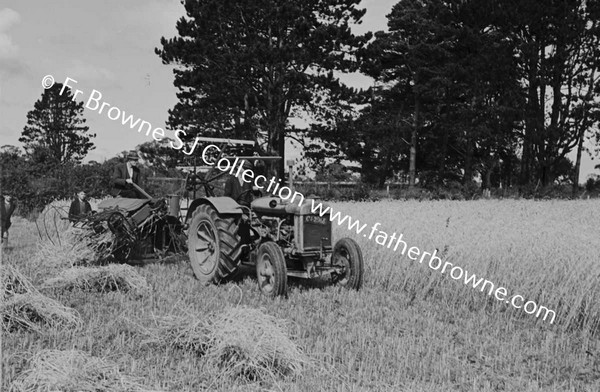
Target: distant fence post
x,y
290,164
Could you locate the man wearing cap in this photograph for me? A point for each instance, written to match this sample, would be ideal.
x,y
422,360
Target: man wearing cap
x,y
7,207
238,189
125,175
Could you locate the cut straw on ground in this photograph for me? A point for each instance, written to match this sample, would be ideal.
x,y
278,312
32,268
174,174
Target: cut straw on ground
x,y
114,277
249,343
242,343
73,370
34,310
73,249
186,333
23,306
14,282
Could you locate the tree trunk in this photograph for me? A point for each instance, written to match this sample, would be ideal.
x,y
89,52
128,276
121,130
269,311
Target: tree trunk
x,y
412,168
444,153
532,112
386,167
468,176
577,165
281,150
507,171
581,135
546,174
487,183
525,174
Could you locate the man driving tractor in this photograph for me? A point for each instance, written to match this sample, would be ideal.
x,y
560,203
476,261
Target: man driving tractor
x,y
238,189
125,175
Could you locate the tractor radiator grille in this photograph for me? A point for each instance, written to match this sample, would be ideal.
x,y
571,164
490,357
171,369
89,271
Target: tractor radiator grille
x,y
316,228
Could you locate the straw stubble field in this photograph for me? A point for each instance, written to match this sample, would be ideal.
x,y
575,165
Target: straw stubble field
x,y
409,329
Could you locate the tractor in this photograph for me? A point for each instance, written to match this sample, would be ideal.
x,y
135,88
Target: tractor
x,y
279,238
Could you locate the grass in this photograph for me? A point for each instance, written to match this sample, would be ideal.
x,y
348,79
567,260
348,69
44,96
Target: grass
x,y
105,278
73,370
409,329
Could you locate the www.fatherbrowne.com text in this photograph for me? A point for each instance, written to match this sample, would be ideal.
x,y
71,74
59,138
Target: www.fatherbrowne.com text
x,y
394,242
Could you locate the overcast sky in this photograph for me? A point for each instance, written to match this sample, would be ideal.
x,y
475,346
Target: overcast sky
x,y
107,46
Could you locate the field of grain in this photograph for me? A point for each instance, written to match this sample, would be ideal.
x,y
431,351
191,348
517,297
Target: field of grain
x,y
408,329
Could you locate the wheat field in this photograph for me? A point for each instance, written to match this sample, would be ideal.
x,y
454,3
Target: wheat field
x,y
408,329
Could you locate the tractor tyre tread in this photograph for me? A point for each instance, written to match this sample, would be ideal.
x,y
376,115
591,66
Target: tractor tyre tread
x,y
230,246
356,273
279,267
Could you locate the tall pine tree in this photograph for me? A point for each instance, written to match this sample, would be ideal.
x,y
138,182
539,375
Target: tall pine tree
x,y
55,130
244,67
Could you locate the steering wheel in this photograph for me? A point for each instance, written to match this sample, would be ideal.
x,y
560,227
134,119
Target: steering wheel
x,y
241,195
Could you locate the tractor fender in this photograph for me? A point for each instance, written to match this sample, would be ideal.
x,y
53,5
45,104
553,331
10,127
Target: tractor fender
x,y
223,205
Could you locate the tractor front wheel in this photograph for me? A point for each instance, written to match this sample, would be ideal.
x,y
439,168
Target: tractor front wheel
x,y
348,260
214,246
271,271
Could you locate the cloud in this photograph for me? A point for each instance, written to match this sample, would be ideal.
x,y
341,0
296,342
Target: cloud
x,y
10,65
152,18
14,68
81,70
8,18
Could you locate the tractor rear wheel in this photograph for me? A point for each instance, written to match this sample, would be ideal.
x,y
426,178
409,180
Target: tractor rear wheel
x,y
214,246
347,257
271,271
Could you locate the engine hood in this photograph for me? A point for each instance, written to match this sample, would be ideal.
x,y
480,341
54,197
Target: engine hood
x,y
276,206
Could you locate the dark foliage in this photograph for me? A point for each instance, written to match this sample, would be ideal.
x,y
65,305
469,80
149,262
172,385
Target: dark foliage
x,y
244,67
55,132
501,91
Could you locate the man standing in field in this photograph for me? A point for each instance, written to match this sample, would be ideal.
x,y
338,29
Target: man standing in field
x,y
7,207
80,207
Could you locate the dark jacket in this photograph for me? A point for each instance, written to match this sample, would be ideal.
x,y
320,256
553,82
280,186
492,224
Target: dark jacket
x,y
241,193
6,214
76,211
121,187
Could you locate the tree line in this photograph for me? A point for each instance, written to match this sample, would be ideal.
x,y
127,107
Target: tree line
x,y
501,89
